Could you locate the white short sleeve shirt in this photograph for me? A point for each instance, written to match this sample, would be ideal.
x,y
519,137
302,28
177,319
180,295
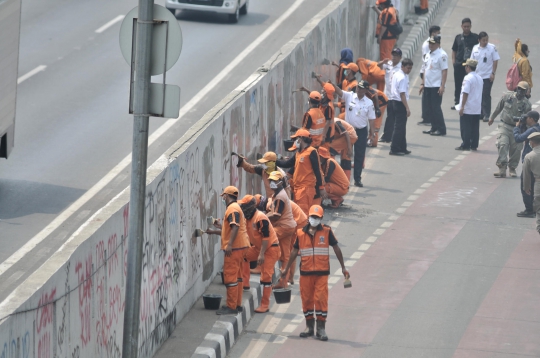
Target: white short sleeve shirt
x,y
400,84
485,56
433,66
389,70
425,49
473,85
358,112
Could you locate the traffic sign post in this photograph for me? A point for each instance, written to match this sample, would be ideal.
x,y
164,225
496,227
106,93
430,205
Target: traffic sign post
x,y
151,43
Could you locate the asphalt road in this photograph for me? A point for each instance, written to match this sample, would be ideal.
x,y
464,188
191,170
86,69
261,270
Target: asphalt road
x,y
73,124
440,264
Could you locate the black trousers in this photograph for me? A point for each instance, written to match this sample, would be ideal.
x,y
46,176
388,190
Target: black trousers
x,y
389,124
360,152
459,75
528,199
470,130
486,98
434,111
425,110
399,137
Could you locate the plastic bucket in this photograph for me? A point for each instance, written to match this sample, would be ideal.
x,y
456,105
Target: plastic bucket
x,y
212,301
287,143
253,265
282,295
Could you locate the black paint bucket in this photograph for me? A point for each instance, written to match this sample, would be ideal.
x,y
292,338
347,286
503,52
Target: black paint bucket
x,y
253,265
287,143
212,301
282,295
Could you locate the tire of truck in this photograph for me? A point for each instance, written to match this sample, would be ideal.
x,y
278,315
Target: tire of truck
x,y
233,18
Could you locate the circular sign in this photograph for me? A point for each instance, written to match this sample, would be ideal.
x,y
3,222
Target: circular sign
x,y
166,39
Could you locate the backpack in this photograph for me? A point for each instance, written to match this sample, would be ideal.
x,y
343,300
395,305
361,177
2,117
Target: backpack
x,y
513,77
396,29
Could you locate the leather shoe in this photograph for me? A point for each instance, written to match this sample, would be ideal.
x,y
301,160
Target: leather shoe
x,y
427,132
462,148
358,184
397,153
407,152
437,133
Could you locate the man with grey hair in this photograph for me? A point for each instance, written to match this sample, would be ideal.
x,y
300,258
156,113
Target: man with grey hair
x,y
531,169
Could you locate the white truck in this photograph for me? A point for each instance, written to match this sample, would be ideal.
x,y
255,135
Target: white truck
x,y
10,19
234,8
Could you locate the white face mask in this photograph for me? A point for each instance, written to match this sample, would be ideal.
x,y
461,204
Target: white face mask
x,y
273,185
314,222
297,143
223,201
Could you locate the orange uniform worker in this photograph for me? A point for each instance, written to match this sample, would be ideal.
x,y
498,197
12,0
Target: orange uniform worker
x,y
348,84
344,138
313,244
385,38
380,100
327,108
281,216
314,120
234,241
267,165
336,182
307,177
371,72
264,247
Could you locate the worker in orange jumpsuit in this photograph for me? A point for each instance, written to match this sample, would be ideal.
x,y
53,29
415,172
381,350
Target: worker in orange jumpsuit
x,y
348,84
327,107
336,182
281,216
307,177
264,247
344,138
267,164
346,58
385,38
314,120
371,72
380,101
313,243
234,241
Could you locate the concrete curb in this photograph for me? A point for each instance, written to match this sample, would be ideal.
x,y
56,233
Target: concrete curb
x,y
420,30
221,338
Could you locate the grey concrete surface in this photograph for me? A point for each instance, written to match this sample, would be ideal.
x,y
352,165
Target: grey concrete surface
x,y
72,120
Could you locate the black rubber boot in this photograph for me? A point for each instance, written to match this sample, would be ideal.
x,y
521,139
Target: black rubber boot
x,y
310,329
321,333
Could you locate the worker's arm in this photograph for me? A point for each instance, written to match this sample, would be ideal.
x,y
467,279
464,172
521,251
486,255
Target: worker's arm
x,y
349,145
287,163
249,168
383,62
333,242
492,76
379,37
234,233
292,257
278,206
265,231
498,110
305,89
316,166
338,90
403,97
465,97
331,168
443,82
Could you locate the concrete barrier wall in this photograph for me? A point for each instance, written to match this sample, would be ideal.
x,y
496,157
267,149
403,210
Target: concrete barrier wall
x,y
73,305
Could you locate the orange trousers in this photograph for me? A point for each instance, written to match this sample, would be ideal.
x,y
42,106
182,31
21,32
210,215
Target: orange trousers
x,y
335,193
314,294
386,47
340,146
305,198
233,268
424,4
377,124
271,255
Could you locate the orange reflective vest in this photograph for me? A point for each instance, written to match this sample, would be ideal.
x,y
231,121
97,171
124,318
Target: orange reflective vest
x,y
315,250
316,127
255,230
234,216
304,173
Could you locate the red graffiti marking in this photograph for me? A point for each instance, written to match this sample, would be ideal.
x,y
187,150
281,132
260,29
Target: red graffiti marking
x,y
45,310
85,296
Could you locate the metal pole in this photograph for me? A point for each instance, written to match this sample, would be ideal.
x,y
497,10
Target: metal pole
x,y
143,46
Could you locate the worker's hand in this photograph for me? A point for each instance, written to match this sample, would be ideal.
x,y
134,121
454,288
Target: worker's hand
x,y
303,89
492,77
385,61
350,152
490,121
518,123
240,159
228,251
324,195
441,90
217,223
461,111
346,273
421,89
283,274
408,112
334,63
260,260
210,232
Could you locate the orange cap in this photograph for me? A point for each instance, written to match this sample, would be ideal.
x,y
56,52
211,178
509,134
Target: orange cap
x,y
293,148
268,157
246,199
329,89
275,175
231,190
353,67
258,198
323,152
316,210
302,132
315,95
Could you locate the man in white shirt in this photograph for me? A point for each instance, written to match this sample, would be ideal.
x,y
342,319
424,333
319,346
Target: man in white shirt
x,y
389,67
435,70
399,100
359,113
488,58
470,107
433,31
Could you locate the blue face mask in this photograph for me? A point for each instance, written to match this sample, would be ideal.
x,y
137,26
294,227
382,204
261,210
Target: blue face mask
x,y
345,72
223,201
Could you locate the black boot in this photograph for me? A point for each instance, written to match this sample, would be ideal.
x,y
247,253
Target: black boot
x,y
310,329
321,333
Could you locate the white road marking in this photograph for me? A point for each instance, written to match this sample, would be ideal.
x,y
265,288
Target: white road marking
x,y
425,185
420,191
110,23
401,210
386,224
393,217
357,255
289,328
333,280
371,239
334,224
460,157
201,95
453,162
338,273
350,263
486,137
412,198
447,168
407,204
364,247
379,232
434,179
299,317
31,73
440,174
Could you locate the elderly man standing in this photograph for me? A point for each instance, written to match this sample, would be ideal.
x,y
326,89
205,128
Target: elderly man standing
x,y
470,106
435,71
511,105
531,171
360,113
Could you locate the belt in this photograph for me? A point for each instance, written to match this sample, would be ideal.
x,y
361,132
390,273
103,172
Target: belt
x,y
274,245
